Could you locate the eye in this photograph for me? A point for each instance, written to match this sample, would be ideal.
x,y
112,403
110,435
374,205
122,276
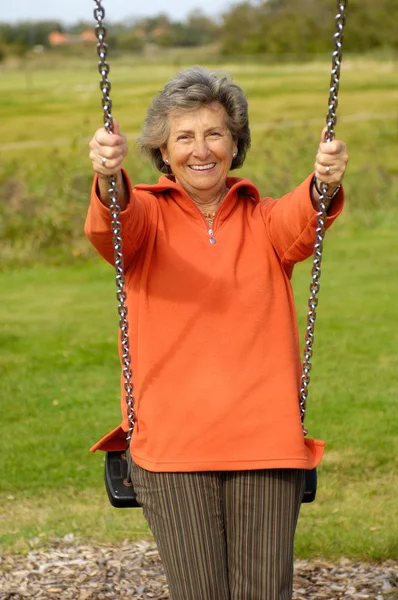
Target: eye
x,y
215,134
182,137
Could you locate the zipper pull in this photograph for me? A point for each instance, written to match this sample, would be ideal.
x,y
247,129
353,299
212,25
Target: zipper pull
x,y
212,239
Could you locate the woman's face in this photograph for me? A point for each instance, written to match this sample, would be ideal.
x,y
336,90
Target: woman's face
x,y
200,149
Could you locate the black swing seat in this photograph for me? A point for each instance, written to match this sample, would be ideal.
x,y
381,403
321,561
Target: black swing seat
x,y
121,492
311,480
118,482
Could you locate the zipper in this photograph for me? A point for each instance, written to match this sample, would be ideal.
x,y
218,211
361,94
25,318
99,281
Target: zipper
x,y
210,230
210,233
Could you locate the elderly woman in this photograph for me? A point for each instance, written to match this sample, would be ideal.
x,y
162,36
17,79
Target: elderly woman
x,y
218,449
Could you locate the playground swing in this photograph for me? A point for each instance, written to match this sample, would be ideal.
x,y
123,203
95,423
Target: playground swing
x,y
117,464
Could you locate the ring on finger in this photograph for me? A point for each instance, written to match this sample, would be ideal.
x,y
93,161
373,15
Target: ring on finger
x,y
103,161
327,169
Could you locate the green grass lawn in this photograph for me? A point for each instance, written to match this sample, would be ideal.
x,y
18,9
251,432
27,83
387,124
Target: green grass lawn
x,y
60,378
58,325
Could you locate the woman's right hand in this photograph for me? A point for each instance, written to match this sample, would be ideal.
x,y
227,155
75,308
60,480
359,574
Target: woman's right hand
x,y
107,151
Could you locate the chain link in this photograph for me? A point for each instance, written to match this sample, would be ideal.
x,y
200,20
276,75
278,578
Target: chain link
x,y
321,216
114,209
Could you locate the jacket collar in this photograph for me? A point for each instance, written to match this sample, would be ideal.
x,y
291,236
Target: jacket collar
x,y
237,188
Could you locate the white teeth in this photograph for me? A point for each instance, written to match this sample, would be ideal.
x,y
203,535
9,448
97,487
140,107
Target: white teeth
x,y
202,167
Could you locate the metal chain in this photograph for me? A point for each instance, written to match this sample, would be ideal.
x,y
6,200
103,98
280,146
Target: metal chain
x,y
114,209
321,216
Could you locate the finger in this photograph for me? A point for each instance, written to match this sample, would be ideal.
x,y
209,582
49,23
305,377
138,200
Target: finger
x,y
330,174
336,147
111,164
105,167
117,136
116,127
323,172
110,152
328,148
107,163
323,135
327,169
326,136
103,139
327,176
324,160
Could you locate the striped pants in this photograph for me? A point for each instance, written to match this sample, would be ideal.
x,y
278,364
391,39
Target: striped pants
x,y
224,535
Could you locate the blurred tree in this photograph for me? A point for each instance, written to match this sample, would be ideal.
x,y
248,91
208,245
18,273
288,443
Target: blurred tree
x,y
80,27
128,39
306,26
297,27
197,30
27,34
149,24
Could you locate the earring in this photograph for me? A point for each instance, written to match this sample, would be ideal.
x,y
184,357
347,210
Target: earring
x,y
166,161
234,155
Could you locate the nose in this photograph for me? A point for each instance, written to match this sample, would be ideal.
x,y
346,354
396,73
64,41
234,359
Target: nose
x,y
200,150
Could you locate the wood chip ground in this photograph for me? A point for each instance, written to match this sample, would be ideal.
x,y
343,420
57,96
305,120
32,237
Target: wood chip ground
x,y
69,570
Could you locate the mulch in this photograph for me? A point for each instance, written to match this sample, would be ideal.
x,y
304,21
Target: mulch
x,y
132,570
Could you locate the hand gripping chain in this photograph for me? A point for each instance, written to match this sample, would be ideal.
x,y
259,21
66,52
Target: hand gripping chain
x,y
321,217
114,209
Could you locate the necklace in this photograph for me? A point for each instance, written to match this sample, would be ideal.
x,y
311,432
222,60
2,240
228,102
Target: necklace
x,y
209,217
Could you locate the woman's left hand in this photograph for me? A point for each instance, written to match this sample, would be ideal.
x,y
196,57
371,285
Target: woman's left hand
x,y
331,162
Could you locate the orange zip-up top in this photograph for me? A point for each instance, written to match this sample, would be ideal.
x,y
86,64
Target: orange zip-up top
x,y
213,332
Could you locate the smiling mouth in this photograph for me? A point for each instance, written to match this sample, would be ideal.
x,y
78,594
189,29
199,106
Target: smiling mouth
x,y
202,167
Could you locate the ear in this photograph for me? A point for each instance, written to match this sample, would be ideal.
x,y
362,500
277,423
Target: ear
x,y
164,153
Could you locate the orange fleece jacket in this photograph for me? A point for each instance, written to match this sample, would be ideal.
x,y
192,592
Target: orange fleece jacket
x,y
213,331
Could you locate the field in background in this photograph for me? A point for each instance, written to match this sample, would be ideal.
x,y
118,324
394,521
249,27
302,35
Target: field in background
x,y
58,362
49,112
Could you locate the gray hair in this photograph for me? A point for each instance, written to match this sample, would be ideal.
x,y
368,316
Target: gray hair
x,y
192,88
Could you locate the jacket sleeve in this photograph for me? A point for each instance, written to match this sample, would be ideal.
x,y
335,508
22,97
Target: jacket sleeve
x,y
134,225
291,223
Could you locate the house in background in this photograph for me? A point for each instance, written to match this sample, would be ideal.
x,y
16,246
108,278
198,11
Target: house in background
x,y
56,38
